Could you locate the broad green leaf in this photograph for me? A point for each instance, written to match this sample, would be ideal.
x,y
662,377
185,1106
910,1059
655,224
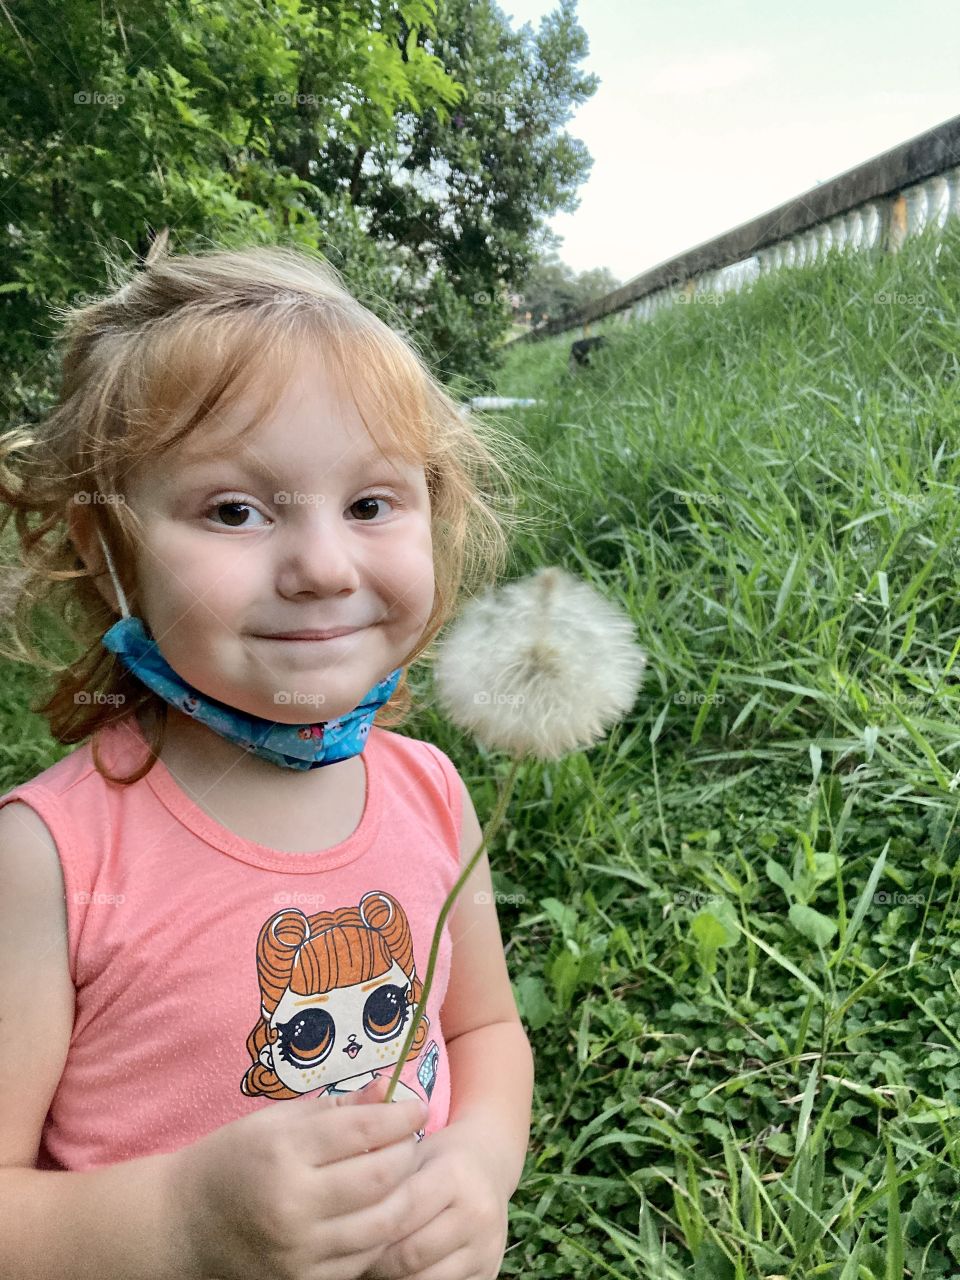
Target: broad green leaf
x,y
814,926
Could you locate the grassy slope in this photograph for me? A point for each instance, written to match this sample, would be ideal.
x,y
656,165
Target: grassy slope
x,y
770,484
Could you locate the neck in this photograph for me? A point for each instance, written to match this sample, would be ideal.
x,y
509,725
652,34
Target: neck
x,y
195,753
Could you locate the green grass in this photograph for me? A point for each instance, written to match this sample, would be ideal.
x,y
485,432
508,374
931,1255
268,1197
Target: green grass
x,y
736,936
748,1057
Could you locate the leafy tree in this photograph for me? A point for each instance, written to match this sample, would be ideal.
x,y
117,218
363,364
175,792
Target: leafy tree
x,y
551,289
233,121
471,194
190,115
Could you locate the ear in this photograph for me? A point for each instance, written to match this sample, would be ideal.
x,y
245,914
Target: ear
x,y
82,527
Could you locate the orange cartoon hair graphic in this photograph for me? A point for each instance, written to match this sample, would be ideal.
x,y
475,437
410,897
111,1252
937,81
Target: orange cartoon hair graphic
x,y
337,990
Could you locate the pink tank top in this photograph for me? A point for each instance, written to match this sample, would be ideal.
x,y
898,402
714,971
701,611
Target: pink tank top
x,y
215,976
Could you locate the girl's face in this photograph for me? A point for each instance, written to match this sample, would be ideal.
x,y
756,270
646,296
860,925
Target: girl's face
x,y
299,525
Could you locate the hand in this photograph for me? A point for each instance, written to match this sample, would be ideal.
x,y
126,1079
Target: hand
x,y
461,1212
306,1186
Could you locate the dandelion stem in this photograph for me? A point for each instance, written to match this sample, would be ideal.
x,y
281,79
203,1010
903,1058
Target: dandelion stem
x,y
488,835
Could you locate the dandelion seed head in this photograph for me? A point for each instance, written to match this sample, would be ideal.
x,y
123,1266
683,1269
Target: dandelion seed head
x,y
541,666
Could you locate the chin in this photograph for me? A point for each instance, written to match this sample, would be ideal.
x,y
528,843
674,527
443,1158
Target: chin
x,y
305,712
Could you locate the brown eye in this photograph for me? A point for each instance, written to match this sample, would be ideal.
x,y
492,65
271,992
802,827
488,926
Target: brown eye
x,y
234,512
374,498
233,508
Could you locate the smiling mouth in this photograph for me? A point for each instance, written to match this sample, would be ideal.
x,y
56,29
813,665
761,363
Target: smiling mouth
x,y
332,634
314,638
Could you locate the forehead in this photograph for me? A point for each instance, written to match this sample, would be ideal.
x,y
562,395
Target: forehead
x,y
311,415
283,401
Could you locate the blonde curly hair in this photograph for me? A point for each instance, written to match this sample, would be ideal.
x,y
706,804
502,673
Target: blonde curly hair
x,y
150,363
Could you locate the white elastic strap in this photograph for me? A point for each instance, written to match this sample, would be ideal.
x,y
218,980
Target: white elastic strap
x,y
113,575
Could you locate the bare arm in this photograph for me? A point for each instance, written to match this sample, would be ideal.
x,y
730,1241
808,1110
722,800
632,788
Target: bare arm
x,y
491,1080
112,1223
491,1061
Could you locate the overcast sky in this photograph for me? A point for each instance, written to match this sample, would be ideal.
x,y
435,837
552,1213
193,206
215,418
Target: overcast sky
x,y
710,112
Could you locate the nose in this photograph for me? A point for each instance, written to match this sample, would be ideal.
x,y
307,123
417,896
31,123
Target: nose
x,y
318,555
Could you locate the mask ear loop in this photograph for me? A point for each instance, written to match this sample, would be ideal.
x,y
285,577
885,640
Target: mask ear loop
x,y
113,575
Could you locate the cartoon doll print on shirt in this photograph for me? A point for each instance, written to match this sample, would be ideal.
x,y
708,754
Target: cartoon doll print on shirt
x,y
337,992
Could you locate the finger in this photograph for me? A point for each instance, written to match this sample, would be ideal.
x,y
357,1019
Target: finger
x,y
373,1091
362,1183
430,1202
362,1263
337,1129
427,1202
378,1188
436,1242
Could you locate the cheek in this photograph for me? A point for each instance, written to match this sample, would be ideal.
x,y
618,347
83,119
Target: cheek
x,y
412,576
191,581
416,565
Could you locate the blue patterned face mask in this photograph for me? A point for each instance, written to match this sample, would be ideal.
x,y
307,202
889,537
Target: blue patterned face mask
x,y
294,746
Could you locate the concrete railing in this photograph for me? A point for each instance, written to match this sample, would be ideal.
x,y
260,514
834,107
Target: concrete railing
x,y
881,202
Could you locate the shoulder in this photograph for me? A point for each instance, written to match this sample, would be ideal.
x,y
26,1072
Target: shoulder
x,y
26,839
65,814
414,753
433,768
117,749
34,886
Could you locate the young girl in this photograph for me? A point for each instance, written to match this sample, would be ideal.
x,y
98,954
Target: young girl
x,y
257,510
